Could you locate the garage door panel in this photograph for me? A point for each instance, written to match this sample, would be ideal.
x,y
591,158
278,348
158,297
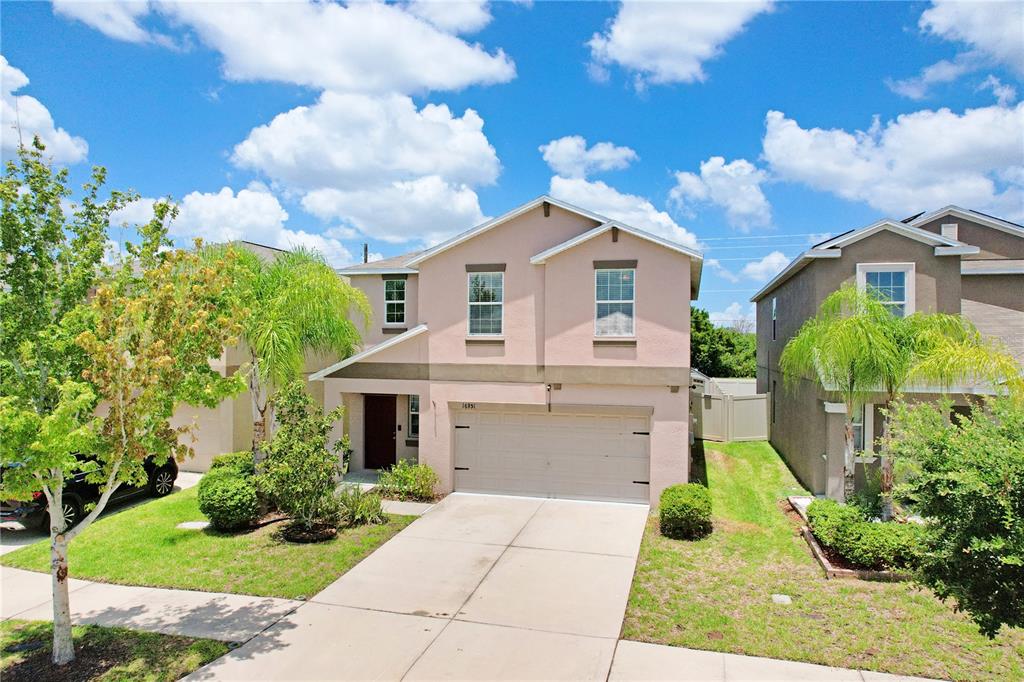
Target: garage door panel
x,y
553,454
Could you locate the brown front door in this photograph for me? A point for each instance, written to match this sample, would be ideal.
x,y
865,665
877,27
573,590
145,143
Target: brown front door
x,y
379,430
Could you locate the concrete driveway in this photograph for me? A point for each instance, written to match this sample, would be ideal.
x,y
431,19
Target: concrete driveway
x,y
481,587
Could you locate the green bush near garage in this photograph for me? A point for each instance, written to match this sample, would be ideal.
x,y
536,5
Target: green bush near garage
x,y
242,462
685,511
229,499
407,481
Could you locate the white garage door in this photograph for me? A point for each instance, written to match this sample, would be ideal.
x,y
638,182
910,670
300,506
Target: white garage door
x,y
586,456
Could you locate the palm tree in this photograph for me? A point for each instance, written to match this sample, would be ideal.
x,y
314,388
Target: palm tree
x,y
940,350
295,304
844,347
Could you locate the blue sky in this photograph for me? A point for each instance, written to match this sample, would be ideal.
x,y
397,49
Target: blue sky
x,y
743,128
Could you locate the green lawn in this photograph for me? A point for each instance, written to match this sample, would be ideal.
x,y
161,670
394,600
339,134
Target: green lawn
x,y
716,593
142,546
102,654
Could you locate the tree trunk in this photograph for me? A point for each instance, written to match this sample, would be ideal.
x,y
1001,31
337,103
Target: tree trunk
x,y
849,461
63,647
887,477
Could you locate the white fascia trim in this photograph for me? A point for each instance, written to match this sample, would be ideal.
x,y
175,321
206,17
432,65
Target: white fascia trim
x,y
967,267
910,283
543,256
793,266
835,408
964,214
494,222
956,250
372,350
379,271
908,231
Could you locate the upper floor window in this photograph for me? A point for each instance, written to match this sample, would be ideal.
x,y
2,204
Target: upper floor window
x,y
773,318
614,292
891,283
486,302
414,417
394,301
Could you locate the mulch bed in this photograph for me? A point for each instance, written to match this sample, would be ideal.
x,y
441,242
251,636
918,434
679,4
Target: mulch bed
x,y
318,533
92,659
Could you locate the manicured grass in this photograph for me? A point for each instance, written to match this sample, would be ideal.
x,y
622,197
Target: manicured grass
x,y
142,546
102,654
716,593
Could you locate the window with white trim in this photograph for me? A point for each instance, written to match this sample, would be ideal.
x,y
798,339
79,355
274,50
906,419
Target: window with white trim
x,y
614,292
394,301
773,318
891,283
414,417
486,303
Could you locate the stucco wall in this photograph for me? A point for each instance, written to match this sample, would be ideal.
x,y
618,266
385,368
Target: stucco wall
x,y
995,303
373,287
992,242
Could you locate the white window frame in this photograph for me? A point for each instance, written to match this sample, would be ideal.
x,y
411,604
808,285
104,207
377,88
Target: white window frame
x,y
632,332
909,284
470,304
773,317
411,412
405,291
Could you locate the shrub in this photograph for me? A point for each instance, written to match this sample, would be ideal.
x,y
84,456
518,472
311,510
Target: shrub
x,y
300,473
685,511
866,544
242,462
228,498
355,507
966,477
407,481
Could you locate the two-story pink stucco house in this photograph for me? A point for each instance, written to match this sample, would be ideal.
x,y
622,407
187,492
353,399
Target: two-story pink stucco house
x,y
545,352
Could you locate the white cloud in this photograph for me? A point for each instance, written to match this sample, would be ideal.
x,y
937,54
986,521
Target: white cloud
x,y
117,19
361,47
668,42
427,209
991,28
569,156
252,214
454,16
763,269
917,161
350,141
716,265
734,186
943,71
629,208
32,118
1005,93
734,316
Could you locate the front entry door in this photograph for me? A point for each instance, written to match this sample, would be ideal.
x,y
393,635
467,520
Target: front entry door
x,y
379,430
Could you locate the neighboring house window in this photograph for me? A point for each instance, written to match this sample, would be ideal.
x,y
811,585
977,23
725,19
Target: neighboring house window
x,y
858,430
614,292
773,318
414,417
863,429
486,308
890,283
774,394
394,301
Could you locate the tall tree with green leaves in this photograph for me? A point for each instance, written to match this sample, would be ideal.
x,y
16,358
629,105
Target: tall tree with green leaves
x,y
100,366
846,349
720,352
294,304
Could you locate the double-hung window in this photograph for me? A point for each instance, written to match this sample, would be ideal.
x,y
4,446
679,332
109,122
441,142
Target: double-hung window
x,y
486,303
891,283
414,417
394,301
614,291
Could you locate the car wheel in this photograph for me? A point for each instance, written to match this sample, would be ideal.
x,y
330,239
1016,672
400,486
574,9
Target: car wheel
x,y
162,483
72,515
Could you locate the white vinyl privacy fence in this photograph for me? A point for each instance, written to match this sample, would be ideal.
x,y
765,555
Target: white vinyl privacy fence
x,y
724,417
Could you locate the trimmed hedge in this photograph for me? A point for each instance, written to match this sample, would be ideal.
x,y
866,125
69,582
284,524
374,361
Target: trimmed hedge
x,y
242,462
863,543
228,498
685,511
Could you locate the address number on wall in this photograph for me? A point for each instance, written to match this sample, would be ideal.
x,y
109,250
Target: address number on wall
x,y
469,406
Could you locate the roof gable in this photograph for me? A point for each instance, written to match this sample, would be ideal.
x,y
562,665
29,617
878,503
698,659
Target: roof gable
x,y
973,216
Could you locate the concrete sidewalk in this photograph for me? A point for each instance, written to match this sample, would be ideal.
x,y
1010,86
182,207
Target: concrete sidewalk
x,y
227,617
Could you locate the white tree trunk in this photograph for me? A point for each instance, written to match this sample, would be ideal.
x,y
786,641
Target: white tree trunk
x,y
63,646
887,474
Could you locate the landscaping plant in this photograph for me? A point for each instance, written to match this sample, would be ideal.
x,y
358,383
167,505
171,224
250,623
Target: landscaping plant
x,y
866,544
301,471
241,462
295,304
227,496
684,511
966,476
408,481
356,507
138,342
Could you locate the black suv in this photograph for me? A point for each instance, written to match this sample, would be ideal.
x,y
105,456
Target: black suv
x,y
78,493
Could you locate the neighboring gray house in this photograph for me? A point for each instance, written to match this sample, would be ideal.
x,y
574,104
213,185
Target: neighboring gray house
x,y
952,260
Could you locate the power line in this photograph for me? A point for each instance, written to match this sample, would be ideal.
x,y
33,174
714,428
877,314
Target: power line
x,y
754,246
824,235
745,258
